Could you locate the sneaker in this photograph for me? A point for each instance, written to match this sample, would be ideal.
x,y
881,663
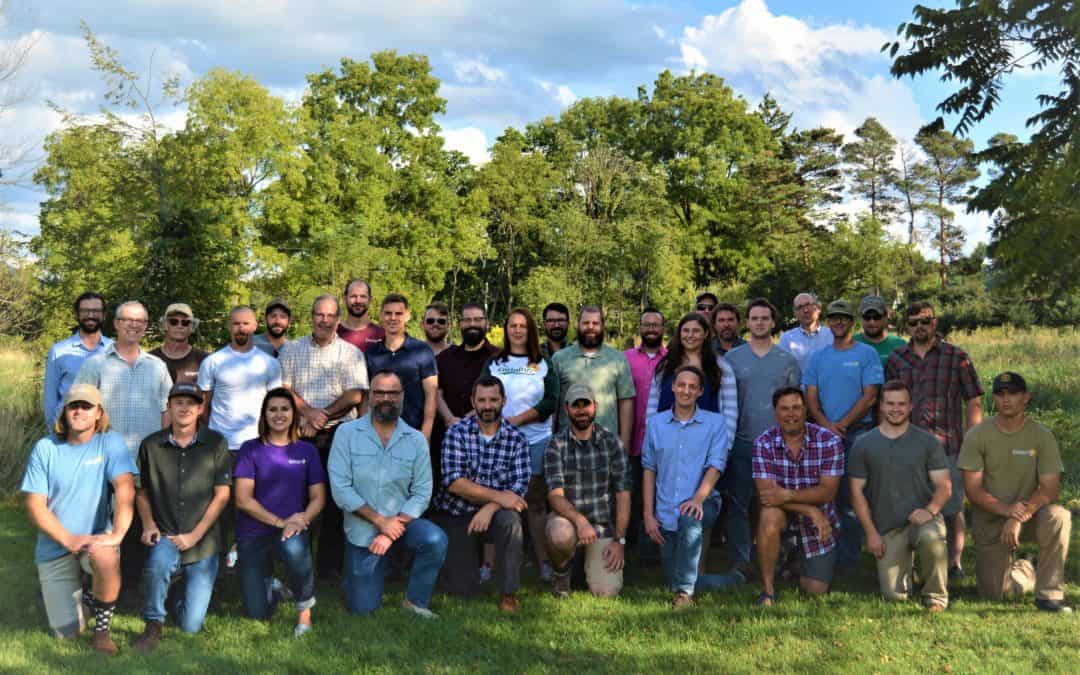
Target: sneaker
x,y
547,572
230,560
485,573
150,638
103,644
1052,606
956,573
682,600
422,612
301,630
560,583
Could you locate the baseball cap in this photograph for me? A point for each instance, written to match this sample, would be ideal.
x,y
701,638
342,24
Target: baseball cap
x,y
579,391
875,303
186,389
87,393
278,303
179,308
840,307
1008,380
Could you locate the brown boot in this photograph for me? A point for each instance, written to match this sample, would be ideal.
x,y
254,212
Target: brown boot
x,y
150,637
682,600
102,643
509,603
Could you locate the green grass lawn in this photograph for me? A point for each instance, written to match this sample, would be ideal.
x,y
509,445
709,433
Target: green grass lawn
x,y
849,630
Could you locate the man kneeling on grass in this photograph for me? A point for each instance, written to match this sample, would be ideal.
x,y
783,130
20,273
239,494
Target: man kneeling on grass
x,y
797,470
900,481
185,475
67,494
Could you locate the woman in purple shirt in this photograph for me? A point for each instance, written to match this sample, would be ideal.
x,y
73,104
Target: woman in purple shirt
x,y
280,488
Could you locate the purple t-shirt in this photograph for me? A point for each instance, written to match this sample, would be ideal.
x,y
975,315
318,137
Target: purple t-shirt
x,y
282,475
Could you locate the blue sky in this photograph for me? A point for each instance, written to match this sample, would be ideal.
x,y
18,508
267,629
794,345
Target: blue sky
x,y
501,63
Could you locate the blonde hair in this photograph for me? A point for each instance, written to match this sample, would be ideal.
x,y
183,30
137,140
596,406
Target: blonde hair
x,y
61,425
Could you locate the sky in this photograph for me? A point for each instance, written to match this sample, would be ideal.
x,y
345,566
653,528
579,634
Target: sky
x,y
501,63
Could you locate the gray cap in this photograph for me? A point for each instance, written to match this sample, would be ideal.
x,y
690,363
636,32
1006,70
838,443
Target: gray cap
x,y
579,391
841,307
875,303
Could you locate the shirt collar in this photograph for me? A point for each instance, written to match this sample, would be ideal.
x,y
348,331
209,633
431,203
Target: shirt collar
x,y
366,427
194,439
695,418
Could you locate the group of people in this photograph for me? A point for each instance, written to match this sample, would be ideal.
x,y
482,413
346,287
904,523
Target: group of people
x,y
439,458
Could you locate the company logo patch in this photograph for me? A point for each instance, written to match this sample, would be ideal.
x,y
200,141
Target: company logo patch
x,y
297,461
1024,452
94,460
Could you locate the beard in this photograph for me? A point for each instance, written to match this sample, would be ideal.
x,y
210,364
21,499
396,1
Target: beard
x,y
591,341
89,325
489,416
651,340
582,423
472,336
241,339
356,313
556,334
386,412
276,331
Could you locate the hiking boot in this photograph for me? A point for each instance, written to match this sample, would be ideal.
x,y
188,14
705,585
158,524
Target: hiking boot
x,y
509,603
1052,606
103,644
682,600
150,638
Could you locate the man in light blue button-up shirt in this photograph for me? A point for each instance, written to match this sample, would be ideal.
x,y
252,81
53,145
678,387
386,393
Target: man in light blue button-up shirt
x,y
683,457
67,356
380,476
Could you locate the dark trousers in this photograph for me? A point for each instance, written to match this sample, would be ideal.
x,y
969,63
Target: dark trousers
x,y
132,557
460,572
331,550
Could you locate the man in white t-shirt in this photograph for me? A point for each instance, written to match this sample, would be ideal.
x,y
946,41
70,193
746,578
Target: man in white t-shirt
x,y
235,379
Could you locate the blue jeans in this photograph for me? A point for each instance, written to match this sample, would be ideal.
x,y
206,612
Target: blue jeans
x,y
849,548
682,550
255,568
536,456
738,484
365,572
198,578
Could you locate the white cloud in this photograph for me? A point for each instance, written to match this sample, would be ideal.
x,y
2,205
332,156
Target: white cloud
x,y
470,141
560,92
474,70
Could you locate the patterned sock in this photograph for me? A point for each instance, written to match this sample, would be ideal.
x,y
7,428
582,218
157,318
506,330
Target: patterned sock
x,y
103,613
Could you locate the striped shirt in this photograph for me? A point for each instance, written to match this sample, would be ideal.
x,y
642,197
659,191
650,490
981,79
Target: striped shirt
x,y
502,463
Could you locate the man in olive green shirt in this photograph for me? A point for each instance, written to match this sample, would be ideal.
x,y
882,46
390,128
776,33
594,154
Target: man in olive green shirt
x,y
603,369
1012,475
899,483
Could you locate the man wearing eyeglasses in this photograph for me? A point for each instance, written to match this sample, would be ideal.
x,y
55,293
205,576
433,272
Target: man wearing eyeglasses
x,y
946,392
875,320
180,357
808,337
436,327
67,356
556,317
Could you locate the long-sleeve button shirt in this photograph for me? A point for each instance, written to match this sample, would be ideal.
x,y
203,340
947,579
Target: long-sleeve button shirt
x,y
724,399
61,366
822,455
802,344
679,453
589,472
501,463
642,370
391,479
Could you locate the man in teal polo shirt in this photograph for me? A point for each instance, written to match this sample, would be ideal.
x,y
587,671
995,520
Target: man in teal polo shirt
x,y
875,333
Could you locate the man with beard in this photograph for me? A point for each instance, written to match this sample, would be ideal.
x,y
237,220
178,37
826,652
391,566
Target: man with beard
x,y
642,361
725,325
761,368
235,379
809,336
604,369
586,473
357,328
875,319
842,383
458,367
380,476
556,318
946,393
436,326
180,357
486,469
278,316
67,356
412,360
899,483
328,376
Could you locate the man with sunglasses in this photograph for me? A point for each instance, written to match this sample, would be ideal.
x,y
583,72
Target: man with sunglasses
x,y
875,321
436,327
67,356
705,304
946,393
808,337
180,357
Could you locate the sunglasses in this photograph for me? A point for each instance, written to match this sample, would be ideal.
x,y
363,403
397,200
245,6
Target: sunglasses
x,y
173,321
80,405
431,321
705,307
925,321
871,316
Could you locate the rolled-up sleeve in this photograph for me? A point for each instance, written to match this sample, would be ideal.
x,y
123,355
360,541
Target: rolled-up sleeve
x,y
553,465
719,445
521,468
339,467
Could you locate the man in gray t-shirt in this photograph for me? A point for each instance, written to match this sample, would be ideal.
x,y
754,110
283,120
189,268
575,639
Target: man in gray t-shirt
x,y
760,369
899,483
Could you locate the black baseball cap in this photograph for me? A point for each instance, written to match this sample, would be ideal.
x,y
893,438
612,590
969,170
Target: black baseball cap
x,y
1008,381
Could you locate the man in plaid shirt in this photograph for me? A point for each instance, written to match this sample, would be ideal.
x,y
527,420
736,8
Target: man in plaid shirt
x,y
586,470
797,470
944,385
486,469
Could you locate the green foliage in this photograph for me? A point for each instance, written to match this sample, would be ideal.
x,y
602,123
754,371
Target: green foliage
x,y
947,174
873,175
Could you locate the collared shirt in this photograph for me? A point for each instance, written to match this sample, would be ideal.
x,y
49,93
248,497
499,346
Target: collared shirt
x,y
320,375
679,452
546,351
413,362
606,371
802,343
502,463
180,482
135,396
642,370
61,367
262,341
391,479
719,349
940,384
822,455
590,473
724,399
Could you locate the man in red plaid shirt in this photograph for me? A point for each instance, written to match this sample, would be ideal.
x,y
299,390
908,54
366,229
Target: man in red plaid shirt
x,y
944,386
797,470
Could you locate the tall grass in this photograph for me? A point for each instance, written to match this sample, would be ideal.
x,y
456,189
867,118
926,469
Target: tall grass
x,y
21,418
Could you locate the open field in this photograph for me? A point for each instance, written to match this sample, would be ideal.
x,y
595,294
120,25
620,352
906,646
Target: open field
x,y
850,630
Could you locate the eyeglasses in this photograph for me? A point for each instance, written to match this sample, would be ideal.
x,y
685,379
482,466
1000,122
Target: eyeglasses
x,y
704,307
173,321
805,305
556,320
131,322
924,321
472,321
652,325
871,316
324,317
91,312
432,320
386,393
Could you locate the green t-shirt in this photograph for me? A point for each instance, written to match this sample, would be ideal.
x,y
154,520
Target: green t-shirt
x,y
1010,463
897,473
883,348
608,373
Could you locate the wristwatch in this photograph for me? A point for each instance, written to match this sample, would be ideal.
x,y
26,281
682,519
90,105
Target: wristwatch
x,y
621,540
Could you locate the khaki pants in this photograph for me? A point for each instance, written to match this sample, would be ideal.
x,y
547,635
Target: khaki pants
x,y
901,546
61,588
601,581
997,572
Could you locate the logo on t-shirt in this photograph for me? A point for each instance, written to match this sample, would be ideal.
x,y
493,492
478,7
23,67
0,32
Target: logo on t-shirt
x,y
297,461
1022,452
94,460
